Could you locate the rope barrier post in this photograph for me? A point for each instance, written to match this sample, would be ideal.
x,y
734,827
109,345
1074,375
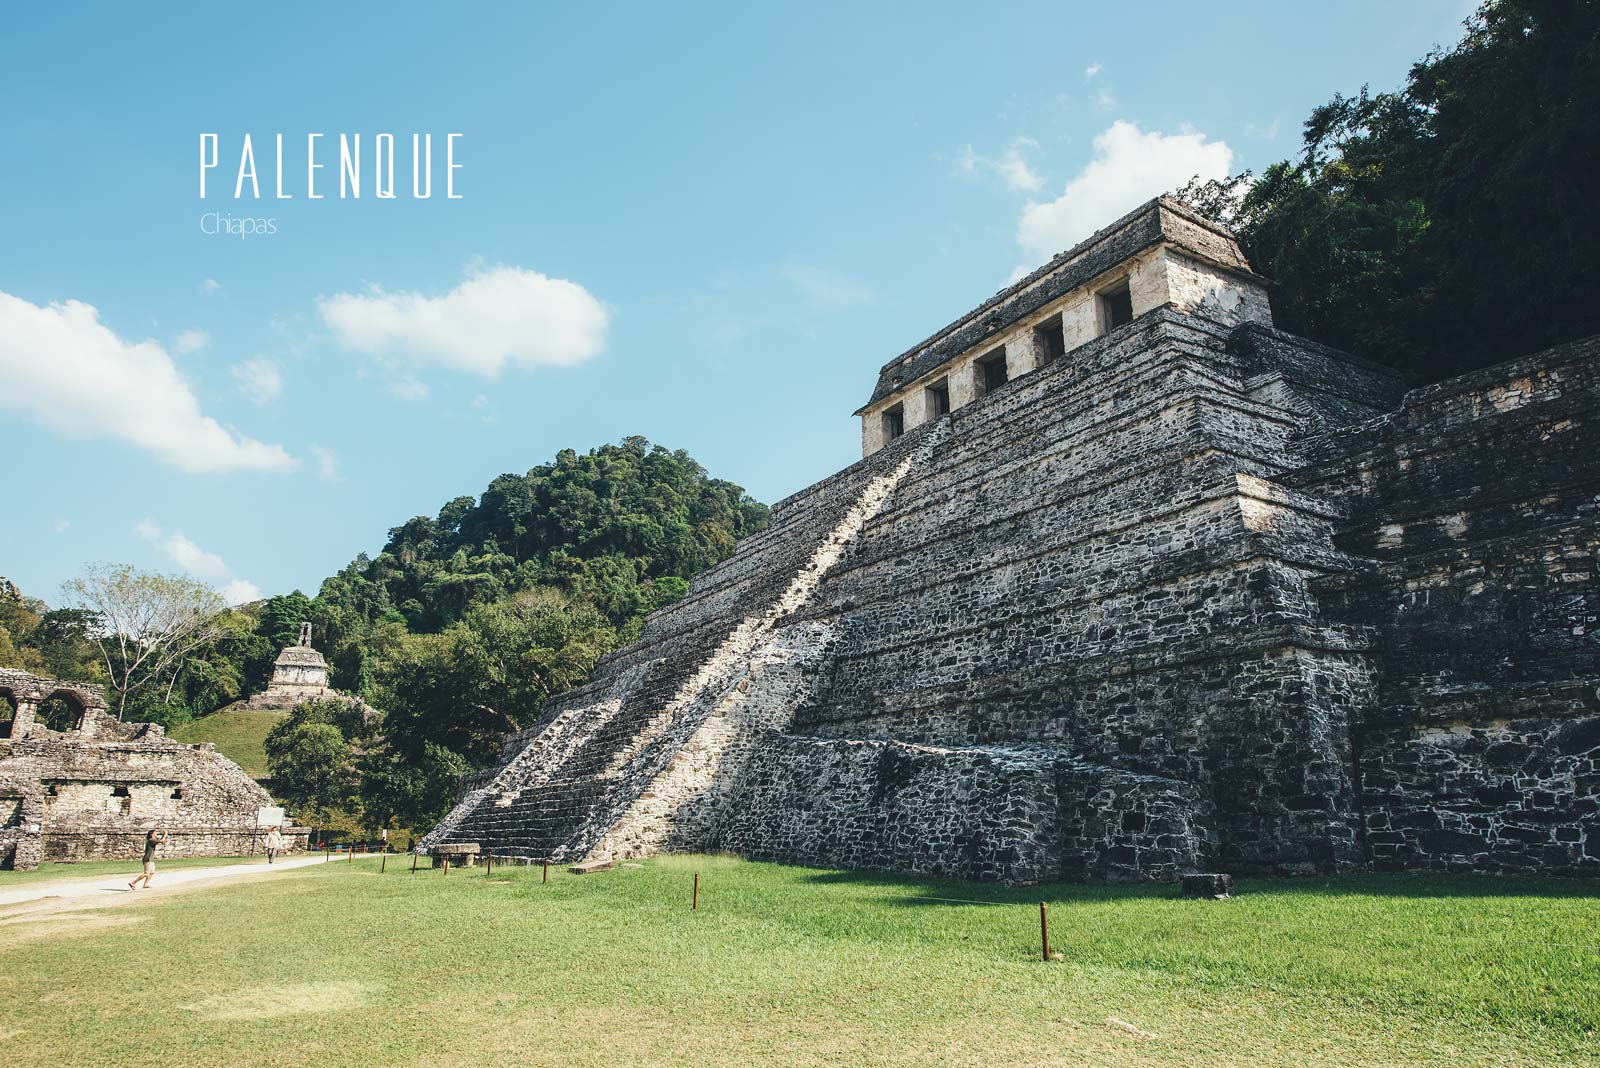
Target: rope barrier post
x,y
546,871
352,859
413,862
488,865
696,906
1044,935
447,863
383,860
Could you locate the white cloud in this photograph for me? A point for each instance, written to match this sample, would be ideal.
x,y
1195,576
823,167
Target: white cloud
x,y
200,563
1011,166
497,316
1129,166
190,341
208,287
327,463
1104,101
60,365
407,387
62,524
1267,131
827,289
241,591
182,551
258,379
1090,71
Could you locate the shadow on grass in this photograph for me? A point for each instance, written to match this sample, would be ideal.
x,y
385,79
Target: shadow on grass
x,y
925,891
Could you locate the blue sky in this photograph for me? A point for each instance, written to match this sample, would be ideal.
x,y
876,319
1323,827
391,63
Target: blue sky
x,y
707,227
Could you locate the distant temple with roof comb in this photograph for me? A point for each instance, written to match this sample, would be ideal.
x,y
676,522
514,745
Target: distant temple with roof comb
x,y
299,674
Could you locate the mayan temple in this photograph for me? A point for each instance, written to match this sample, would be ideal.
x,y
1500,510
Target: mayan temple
x,y
1127,583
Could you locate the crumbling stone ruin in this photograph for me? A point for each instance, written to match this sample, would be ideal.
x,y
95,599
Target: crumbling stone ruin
x,y
1127,584
300,674
77,784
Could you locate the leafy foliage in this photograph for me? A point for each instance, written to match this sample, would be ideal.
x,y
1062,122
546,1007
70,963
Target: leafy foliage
x,y
310,760
620,527
46,642
146,624
458,630
1448,225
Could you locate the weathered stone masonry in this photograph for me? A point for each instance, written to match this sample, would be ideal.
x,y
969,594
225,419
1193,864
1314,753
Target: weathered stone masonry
x,y
1171,593
93,790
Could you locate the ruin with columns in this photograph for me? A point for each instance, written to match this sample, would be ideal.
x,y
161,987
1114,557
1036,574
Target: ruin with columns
x,y
1128,583
76,783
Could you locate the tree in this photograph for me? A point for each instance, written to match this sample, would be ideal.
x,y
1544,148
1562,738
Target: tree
x,y
413,791
312,754
449,698
1448,225
311,766
147,623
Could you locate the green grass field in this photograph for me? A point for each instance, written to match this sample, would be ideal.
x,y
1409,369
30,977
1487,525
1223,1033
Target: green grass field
x,y
339,965
240,735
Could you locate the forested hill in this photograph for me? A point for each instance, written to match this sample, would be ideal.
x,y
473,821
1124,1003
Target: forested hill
x,y
621,527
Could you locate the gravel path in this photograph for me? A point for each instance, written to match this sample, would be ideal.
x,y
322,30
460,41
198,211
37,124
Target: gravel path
x,y
106,890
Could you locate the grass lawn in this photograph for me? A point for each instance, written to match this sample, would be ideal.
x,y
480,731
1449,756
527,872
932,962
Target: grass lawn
x,y
85,869
239,735
338,965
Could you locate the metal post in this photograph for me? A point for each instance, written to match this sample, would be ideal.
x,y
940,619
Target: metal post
x,y
1044,934
696,891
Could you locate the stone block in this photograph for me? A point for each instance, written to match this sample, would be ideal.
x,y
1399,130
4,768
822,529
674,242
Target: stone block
x,y
1208,885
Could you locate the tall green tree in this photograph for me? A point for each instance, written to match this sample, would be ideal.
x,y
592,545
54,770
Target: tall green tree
x,y
449,698
1450,224
312,756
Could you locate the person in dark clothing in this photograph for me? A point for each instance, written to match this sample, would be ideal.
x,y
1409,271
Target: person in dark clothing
x,y
152,841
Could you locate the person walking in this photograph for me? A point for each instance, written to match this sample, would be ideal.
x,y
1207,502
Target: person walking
x,y
274,842
152,842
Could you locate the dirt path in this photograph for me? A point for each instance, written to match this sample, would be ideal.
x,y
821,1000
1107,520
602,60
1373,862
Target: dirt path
x,y
106,890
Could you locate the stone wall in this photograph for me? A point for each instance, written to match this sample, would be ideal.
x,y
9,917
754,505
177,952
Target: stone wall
x,y
1475,510
1048,568
1011,814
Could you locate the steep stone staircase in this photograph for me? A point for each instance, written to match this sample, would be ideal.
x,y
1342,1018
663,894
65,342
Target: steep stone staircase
x,y
567,784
